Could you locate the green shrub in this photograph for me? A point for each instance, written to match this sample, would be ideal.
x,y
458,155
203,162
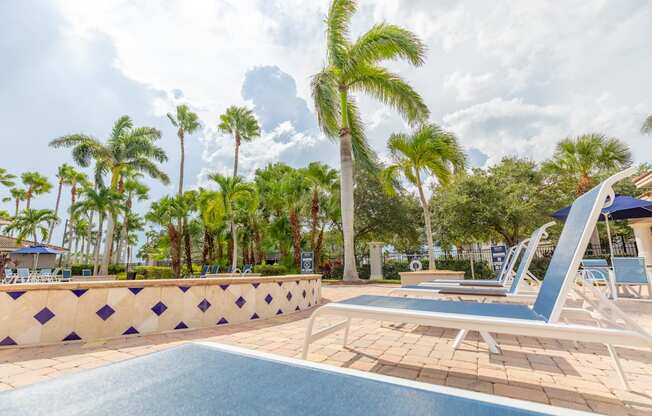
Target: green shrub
x,y
154,272
113,268
271,269
391,269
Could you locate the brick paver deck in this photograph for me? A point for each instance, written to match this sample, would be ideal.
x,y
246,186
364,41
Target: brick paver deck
x,y
565,374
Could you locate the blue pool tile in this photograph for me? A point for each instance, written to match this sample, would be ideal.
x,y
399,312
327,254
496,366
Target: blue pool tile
x,y
222,321
72,337
15,295
240,302
7,341
130,331
181,325
304,293
279,284
159,308
297,308
255,285
135,290
105,312
254,316
289,296
184,289
44,315
269,298
224,287
79,292
204,305
279,312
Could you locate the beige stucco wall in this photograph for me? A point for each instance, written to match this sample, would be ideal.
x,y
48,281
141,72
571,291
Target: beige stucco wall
x,y
34,314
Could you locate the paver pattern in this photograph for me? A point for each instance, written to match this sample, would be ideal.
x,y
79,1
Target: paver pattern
x,y
566,374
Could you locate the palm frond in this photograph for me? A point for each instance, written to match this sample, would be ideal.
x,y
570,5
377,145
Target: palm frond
x,y
363,154
121,125
646,128
337,30
383,42
390,89
326,100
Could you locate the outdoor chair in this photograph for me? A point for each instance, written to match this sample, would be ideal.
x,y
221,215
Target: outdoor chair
x,y
539,320
506,272
215,269
9,276
204,270
247,268
597,270
628,272
221,379
511,291
23,275
87,272
66,275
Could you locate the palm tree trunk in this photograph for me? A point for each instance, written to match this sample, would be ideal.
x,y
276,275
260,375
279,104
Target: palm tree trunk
x,y
318,246
188,247
98,241
17,207
314,212
108,244
426,219
29,198
346,202
56,210
234,238
296,237
205,247
175,253
182,161
237,152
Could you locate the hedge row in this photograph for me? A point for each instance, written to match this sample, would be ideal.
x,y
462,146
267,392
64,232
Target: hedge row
x,y
392,269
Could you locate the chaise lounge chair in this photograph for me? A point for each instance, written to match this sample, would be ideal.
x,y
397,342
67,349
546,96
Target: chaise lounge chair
x,y
214,379
539,320
506,272
512,290
631,271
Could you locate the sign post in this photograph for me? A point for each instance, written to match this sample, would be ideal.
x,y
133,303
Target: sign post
x,y
307,262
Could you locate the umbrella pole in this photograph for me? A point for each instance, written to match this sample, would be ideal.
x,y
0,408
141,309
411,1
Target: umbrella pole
x,y
612,277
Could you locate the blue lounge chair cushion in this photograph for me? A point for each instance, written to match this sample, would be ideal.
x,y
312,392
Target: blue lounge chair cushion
x,y
630,270
594,263
466,290
496,310
200,380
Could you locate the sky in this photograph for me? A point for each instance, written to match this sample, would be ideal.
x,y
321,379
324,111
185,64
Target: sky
x,y
507,77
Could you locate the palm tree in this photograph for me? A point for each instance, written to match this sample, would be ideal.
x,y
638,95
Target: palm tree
x,y
75,180
352,68
164,212
105,202
31,222
646,128
35,184
233,192
64,173
241,123
430,151
186,122
211,215
134,190
6,178
586,156
127,148
18,195
321,179
294,188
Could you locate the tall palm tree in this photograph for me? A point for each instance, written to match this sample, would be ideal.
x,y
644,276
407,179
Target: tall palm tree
x,y
105,202
35,184
586,156
646,128
75,180
134,191
163,212
31,222
18,195
294,188
64,174
430,151
233,191
354,67
127,147
186,122
321,179
211,215
241,123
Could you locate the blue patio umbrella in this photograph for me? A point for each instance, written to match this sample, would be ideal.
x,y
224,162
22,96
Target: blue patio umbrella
x,y
37,249
622,208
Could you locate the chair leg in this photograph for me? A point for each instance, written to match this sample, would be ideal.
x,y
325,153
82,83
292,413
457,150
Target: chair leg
x,y
491,342
307,337
619,368
459,338
346,332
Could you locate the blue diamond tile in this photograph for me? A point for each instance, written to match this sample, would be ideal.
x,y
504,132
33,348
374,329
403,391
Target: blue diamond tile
x,y
44,315
304,293
204,305
184,289
269,298
181,325
279,284
279,312
72,337
240,302
159,308
79,292
224,287
7,341
222,321
105,312
130,331
255,285
254,316
15,295
135,290
289,296
297,308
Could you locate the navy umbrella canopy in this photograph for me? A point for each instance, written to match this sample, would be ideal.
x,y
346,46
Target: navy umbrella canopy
x,y
623,208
